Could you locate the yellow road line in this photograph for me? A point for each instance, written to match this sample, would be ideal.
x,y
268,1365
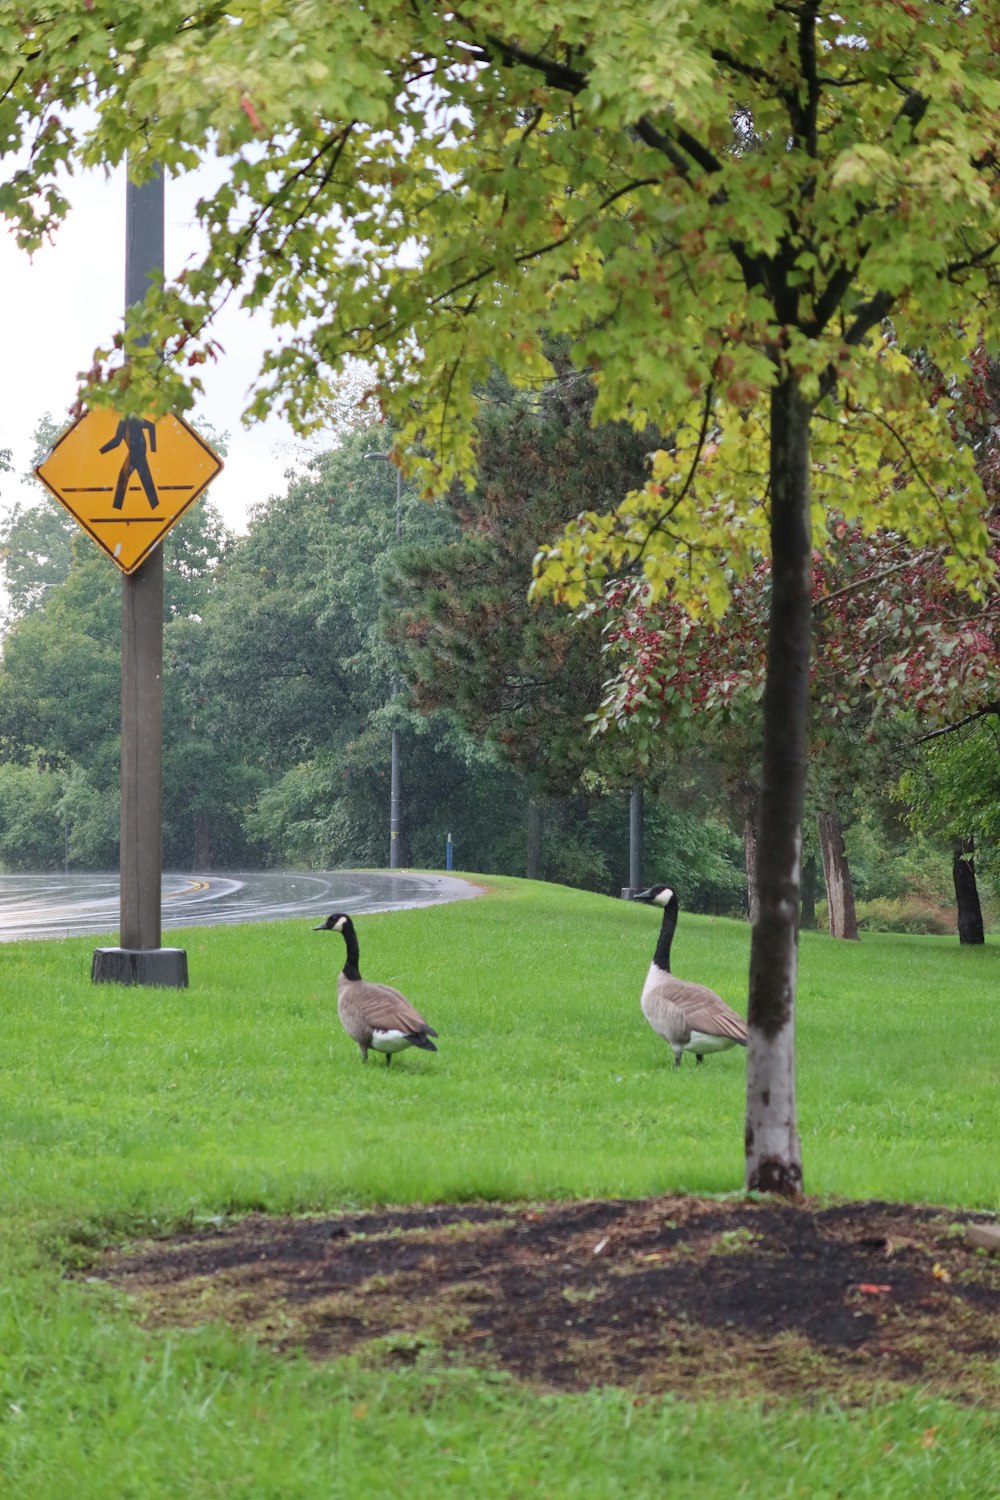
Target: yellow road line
x,y
192,885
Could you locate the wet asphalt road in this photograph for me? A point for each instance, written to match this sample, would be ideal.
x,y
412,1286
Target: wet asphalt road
x,y
36,906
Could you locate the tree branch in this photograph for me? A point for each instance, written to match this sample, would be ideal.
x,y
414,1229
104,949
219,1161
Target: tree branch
x,y
826,305
573,81
981,258
389,326
980,713
866,317
870,313
340,148
13,84
809,115
648,133
560,75
913,108
705,159
864,583
545,249
658,525
746,69
331,143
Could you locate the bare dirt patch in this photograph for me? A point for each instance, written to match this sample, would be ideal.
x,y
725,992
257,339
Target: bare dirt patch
x,y
700,1297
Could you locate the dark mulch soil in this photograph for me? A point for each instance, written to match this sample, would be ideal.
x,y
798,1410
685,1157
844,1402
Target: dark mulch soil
x,y
700,1297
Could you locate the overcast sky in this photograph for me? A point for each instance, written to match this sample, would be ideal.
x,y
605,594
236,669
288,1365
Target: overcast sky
x,y
68,299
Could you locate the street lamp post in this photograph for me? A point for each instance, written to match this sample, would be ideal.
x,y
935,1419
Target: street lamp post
x,y
394,786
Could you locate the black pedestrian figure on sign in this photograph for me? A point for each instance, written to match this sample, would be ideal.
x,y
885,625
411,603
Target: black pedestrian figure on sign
x,y
132,431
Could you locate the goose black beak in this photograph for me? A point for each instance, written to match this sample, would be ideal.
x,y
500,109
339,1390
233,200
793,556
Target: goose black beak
x,y
646,895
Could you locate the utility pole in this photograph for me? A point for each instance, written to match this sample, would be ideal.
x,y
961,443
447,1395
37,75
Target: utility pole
x,y
141,959
394,779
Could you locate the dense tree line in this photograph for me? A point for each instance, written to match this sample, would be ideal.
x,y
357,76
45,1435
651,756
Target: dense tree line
x,y
284,648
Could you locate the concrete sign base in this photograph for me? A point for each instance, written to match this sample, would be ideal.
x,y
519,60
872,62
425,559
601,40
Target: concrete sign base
x,y
157,966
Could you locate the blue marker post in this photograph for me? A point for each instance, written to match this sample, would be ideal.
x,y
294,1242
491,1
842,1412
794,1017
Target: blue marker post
x,y
448,853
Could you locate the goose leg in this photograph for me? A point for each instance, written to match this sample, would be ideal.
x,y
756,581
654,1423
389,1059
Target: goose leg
x,y
388,1058
699,1058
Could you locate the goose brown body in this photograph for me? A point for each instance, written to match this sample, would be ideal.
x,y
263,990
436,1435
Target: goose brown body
x,y
376,1016
690,1017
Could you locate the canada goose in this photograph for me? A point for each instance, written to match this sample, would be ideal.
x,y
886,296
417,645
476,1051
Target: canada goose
x,y
375,1015
689,1017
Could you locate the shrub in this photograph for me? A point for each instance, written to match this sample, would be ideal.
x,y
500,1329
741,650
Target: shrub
x,y
907,914
32,828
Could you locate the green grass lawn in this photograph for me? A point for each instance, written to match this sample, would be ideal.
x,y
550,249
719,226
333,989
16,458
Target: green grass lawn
x,y
128,1110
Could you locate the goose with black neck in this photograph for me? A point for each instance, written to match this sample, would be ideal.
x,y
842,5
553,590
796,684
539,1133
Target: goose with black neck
x,y
690,1017
376,1016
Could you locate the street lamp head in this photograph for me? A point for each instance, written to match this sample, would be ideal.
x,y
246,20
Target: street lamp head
x,y
386,457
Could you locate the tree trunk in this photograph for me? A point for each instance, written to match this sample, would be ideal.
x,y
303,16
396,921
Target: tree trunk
x,y
970,913
750,860
536,839
773,1151
807,907
837,875
744,799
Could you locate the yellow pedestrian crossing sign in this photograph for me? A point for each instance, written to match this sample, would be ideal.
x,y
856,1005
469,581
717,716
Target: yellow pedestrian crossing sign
x,y
127,480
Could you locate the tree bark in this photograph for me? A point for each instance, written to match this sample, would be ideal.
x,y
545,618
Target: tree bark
x,y
843,917
970,913
773,1151
536,839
